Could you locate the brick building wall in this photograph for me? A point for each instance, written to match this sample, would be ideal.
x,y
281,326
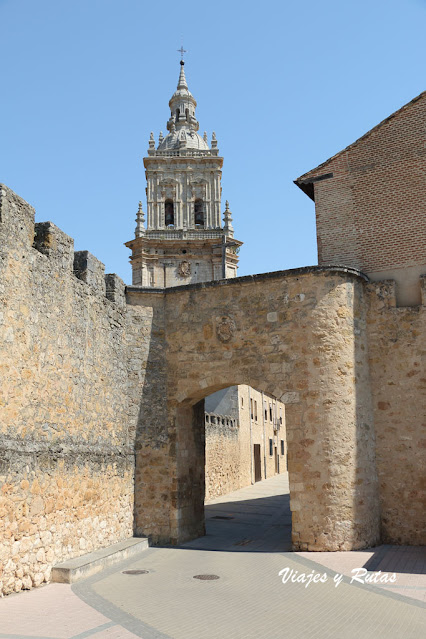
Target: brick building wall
x,y
369,202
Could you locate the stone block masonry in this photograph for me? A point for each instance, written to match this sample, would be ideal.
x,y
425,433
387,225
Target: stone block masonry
x,y
314,354
102,412
397,353
66,440
223,456
246,445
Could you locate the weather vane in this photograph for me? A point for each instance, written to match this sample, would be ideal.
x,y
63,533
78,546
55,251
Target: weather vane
x,y
182,51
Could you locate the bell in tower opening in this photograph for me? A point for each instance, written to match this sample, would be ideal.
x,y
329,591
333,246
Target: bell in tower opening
x,y
169,217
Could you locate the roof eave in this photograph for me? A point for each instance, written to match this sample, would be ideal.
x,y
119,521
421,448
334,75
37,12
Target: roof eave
x,y
307,188
305,183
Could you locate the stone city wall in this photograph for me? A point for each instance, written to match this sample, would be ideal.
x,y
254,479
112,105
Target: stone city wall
x,y
223,457
298,335
66,442
397,339
89,383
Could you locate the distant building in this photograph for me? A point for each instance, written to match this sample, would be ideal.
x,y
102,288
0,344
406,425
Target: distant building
x,y
245,439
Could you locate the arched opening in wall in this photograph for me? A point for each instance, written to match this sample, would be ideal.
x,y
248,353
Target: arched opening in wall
x,y
287,336
199,213
169,213
246,481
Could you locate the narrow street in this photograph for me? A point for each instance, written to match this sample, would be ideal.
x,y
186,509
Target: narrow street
x,y
240,594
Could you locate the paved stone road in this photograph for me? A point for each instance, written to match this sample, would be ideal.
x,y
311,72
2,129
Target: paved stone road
x,y
247,544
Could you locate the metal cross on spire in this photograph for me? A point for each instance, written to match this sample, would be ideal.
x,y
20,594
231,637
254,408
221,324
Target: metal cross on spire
x,y
182,51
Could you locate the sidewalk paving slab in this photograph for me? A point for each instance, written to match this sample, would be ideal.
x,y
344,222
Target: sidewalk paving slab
x,y
248,601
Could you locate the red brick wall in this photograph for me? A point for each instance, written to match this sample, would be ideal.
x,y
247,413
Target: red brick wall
x,y
371,214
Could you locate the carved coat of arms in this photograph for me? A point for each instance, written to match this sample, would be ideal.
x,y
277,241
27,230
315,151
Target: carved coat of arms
x,y
225,328
184,269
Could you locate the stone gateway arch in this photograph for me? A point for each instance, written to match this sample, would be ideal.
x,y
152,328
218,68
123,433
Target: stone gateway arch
x,y
300,335
102,386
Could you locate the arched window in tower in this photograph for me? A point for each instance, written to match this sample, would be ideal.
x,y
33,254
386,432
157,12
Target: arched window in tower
x,y
199,213
177,115
169,213
187,114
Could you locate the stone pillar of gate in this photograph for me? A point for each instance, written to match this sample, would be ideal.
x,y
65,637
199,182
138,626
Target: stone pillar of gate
x,y
187,515
324,372
300,337
334,496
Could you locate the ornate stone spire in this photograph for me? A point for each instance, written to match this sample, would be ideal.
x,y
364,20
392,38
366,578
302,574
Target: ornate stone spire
x,y
140,219
182,84
182,105
186,220
227,218
182,124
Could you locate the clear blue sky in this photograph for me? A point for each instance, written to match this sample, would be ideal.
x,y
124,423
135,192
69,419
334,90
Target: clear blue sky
x,y
284,85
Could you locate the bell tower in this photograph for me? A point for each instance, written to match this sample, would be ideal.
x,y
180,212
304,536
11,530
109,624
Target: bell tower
x,y
184,240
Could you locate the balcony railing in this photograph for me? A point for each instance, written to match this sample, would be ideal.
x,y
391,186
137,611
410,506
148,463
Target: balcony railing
x,y
175,234
184,153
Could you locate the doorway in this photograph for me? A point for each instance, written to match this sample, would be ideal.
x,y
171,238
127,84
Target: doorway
x,y
257,463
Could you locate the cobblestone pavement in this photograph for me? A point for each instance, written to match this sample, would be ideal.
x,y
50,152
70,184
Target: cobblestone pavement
x,y
247,544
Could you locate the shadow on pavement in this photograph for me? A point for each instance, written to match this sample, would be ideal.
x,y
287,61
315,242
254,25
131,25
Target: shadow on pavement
x,y
401,559
252,525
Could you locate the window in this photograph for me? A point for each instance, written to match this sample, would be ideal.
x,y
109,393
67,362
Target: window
x,y
266,413
270,412
199,213
282,447
242,402
151,277
271,447
255,410
169,213
251,408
